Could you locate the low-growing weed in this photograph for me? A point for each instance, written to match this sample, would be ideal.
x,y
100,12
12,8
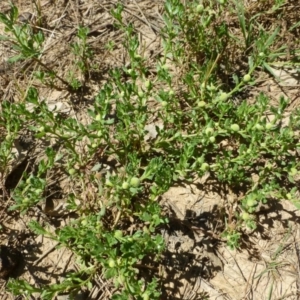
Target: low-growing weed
x,y
207,124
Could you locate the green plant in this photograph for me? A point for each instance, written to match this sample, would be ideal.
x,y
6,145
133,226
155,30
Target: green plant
x,y
83,54
207,126
28,44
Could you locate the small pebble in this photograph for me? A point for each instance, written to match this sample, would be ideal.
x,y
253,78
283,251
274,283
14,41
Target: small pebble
x,y
25,17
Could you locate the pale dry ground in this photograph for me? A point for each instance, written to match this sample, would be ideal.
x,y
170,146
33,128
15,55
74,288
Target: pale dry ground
x,y
268,259
197,263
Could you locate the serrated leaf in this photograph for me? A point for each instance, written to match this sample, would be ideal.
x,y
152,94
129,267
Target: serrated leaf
x,y
37,228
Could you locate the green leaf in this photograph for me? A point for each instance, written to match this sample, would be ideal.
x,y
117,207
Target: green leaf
x,y
37,228
14,13
241,16
271,38
111,272
14,207
15,58
269,69
89,285
109,121
122,296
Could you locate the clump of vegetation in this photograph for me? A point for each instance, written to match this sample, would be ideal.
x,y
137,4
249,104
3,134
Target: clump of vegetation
x,y
207,125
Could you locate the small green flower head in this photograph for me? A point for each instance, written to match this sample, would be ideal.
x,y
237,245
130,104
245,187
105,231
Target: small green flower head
x,y
171,93
247,78
259,127
201,104
111,263
199,8
204,167
269,126
251,202
38,191
84,222
209,131
246,216
118,234
125,185
235,127
134,182
26,200
223,96
71,171
212,139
